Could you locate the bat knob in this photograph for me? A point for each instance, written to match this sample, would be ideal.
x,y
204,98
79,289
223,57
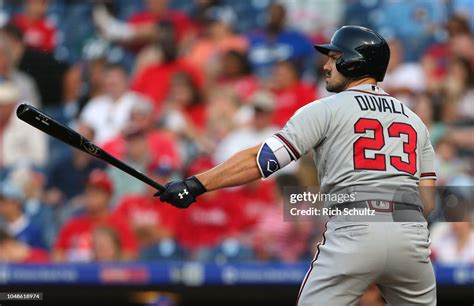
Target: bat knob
x,y
22,108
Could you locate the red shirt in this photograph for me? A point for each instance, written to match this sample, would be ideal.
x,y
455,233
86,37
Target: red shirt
x,y
36,255
154,81
197,114
75,238
438,54
38,34
289,100
212,218
181,22
258,196
138,210
245,86
163,148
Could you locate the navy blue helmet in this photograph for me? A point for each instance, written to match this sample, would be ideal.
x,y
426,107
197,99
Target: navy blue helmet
x,y
364,52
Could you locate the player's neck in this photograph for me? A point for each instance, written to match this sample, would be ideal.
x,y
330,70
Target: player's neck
x,y
357,82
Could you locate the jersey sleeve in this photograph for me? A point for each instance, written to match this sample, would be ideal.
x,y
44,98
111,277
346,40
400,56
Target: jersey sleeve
x,y
427,169
305,129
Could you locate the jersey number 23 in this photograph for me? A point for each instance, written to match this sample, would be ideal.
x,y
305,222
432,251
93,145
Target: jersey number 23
x,y
379,161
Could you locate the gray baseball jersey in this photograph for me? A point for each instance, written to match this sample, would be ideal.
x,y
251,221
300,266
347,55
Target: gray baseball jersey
x,y
368,143
364,140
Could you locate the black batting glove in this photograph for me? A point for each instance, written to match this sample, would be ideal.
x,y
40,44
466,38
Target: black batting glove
x,y
182,193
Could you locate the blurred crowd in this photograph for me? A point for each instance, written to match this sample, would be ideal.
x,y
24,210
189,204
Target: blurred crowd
x,y
174,87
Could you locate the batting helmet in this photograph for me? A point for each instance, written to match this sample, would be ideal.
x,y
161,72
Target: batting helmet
x,y
364,52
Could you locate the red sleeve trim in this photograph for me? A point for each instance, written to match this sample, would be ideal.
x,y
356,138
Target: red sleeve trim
x,y
288,144
428,174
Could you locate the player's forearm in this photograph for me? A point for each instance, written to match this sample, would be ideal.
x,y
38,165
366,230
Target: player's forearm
x,y
428,196
238,170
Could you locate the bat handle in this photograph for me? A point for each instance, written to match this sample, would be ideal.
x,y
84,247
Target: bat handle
x,y
156,185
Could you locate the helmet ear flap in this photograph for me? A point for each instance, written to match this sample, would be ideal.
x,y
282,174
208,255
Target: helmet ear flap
x,y
352,69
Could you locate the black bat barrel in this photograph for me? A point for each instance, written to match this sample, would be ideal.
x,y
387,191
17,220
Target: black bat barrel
x,y
50,126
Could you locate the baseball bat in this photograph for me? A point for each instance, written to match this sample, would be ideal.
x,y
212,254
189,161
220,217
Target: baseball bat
x,y
48,125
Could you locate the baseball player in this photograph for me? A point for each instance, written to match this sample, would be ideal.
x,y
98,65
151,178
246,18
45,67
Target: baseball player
x,y
365,143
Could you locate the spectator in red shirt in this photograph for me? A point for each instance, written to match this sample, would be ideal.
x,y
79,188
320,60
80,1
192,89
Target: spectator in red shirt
x,y
147,217
153,223
16,251
154,80
149,220
157,11
291,93
185,110
75,240
204,226
161,145
39,33
257,197
216,217
236,72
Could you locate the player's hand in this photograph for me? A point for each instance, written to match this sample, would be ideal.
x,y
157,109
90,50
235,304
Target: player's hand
x,y
182,193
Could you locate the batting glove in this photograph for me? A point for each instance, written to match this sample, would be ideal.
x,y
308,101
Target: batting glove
x,y
182,193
